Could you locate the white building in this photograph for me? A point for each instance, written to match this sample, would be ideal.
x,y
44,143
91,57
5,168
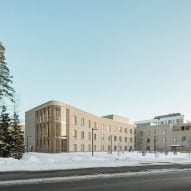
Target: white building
x,y
174,118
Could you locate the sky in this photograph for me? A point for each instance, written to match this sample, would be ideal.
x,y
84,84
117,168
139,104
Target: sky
x,y
127,57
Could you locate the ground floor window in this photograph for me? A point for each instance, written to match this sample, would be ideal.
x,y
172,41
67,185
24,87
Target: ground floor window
x,y
75,148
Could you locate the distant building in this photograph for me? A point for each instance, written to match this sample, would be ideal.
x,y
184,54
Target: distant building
x,y
164,137
58,127
174,118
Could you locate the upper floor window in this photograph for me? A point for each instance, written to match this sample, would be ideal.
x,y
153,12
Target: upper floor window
x,y
109,128
89,135
74,120
183,138
82,135
102,127
125,130
75,134
89,123
82,122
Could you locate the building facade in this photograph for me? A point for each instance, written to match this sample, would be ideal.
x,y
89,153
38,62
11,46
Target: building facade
x,y
164,137
57,127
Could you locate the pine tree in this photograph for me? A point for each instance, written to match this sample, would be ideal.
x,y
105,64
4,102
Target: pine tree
x,y
5,133
17,139
6,90
11,138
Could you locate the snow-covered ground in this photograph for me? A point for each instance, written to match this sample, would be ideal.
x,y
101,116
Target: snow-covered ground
x,y
42,161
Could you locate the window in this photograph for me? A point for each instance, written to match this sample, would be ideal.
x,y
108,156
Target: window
x,y
82,122
75,134
74,120
120,139
82,147
126,139
131,139
89,136
102,127
95,125
183,138
102,136
89,123
115,147
94,147
82,135
109,128
131,131
94,136
58,130
115,138
125,148
75,148
57,114
141,133
89,148
125,130
174,139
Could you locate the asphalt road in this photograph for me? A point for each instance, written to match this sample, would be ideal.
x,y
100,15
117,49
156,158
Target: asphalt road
x,y
172,181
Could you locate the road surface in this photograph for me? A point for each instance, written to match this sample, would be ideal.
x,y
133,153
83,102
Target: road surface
x,y
175,181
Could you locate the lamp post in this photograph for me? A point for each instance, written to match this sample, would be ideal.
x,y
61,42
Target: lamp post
x,y
93,141
189,148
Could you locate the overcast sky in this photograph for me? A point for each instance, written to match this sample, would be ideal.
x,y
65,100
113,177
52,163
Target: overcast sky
x,y
127,57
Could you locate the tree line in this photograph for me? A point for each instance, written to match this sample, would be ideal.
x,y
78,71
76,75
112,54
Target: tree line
x,y
11,136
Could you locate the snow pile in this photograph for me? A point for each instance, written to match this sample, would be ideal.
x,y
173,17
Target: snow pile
x,y
41,161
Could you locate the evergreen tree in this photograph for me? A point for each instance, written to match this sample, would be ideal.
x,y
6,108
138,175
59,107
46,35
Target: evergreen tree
x,y
11,138
6,90
5,133
17,139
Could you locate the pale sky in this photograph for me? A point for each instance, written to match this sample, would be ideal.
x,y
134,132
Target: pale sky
x,y
127,57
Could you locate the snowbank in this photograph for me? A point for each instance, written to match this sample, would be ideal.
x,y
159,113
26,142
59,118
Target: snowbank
x,y
41,161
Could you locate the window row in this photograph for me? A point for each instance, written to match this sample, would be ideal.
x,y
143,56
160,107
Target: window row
x,y
88,148
94,125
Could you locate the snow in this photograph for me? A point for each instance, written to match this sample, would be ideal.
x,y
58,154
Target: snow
x,y
60,161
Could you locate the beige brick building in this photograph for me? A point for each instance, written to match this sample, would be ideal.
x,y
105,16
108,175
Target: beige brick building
x,y
58,127
164,137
